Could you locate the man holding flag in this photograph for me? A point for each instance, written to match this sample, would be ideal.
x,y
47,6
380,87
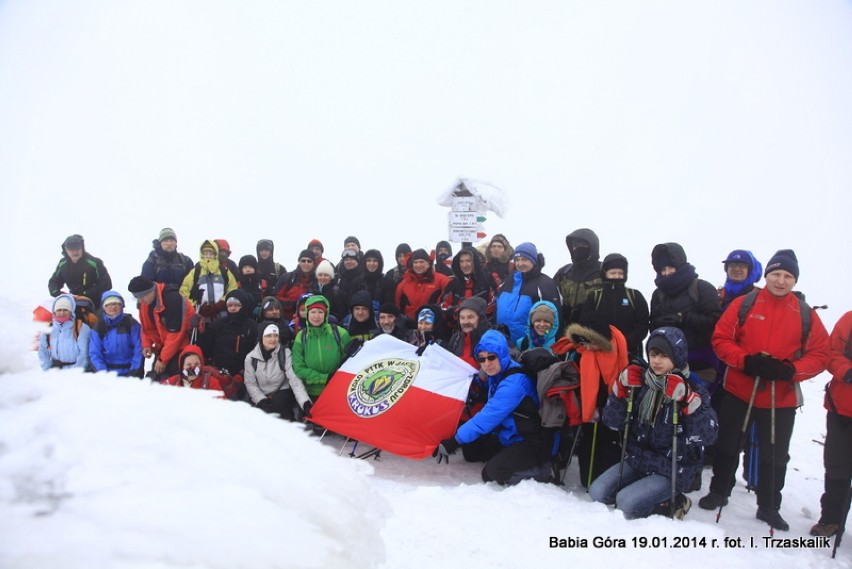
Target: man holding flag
x,y
507,432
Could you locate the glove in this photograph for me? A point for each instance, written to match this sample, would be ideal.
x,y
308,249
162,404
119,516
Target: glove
x,y
306,409
632,376
848,377
676,387
768,368
445,449
669,319
256,312
136,373
207,310
264,405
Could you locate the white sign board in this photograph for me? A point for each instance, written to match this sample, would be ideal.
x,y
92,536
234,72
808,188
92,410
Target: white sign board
x,y
465,203
462,234
462,219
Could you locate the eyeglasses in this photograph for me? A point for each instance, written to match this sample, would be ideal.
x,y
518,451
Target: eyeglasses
x,y
483,359
305,261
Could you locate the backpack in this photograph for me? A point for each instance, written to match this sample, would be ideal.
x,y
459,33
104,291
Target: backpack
x,y
597,294
804,312
557,384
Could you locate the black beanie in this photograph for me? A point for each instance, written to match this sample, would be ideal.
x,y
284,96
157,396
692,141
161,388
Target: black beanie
x,y
614,261
140,286
248,260
783,260
420,254
389,308
307,254
402,249
351,239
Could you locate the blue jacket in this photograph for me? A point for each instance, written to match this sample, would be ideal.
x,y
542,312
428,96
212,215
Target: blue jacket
x,y
549,338
516,299
505,394
649,447
169,268
116,343
65,343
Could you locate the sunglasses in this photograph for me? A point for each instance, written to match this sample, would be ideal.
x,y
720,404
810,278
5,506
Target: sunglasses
x,y
305,261
483,359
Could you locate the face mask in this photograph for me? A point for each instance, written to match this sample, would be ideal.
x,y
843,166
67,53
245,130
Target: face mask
x,y
62,319
192,372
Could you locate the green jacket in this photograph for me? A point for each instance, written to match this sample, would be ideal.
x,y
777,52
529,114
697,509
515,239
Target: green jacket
x,y
317,352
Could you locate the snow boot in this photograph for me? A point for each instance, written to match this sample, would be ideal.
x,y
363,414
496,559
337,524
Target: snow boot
x,y
773,518
824,530
712,501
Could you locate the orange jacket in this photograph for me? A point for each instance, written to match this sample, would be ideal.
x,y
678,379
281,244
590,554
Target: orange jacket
x,y
414,290
595,367
839,364
160,329
772,326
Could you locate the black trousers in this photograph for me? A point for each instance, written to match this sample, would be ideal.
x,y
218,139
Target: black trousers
x,y
606,451
838,468
283,403
730,442
502,463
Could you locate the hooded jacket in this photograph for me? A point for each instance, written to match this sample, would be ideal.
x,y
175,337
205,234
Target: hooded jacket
x,y
418,289
228,340
166,322
116,342
164,267
318,351
268,269
499,268
577,280
264,376
519,293
213,283
64,344
838,396
363,330
731,290
374,280
531,339
506,392
206,378
462,286
463,344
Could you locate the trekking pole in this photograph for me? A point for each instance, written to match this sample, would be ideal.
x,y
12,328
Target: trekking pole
x,y
675,415
592,455
571,453
772,448
624,440
742,436
840,530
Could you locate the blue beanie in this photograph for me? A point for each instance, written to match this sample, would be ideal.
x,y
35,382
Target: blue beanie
x,y
783,260
528,251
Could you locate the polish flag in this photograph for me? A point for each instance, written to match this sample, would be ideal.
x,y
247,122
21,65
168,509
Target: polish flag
x,y
388,397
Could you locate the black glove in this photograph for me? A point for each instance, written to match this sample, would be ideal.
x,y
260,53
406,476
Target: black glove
x,y
264,405
306,409
136,373
669,319
848,377
768,368
445,449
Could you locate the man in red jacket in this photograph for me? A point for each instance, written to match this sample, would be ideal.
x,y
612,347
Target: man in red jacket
x,y
165,316
767,356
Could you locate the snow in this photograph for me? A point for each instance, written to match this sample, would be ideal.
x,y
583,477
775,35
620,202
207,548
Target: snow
x,y
102,471
720,125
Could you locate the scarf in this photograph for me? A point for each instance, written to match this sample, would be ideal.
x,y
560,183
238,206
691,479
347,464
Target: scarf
x,y
650,404
678,281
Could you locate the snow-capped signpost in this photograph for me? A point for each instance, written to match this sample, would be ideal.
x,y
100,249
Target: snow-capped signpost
x,y
469,201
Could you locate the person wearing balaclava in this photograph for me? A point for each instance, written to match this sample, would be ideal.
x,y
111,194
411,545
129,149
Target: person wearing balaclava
x,y
581,276
742,271
227,341
625,308
768,355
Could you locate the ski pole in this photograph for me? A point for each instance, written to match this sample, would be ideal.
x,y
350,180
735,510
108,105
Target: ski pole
x,y
674,457
592,455
772,448
577,432
742,438
624,440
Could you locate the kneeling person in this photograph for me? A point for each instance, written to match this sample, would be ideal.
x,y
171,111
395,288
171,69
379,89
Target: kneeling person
x,y
642,484
511,446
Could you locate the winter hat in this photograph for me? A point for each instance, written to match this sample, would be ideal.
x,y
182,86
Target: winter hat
x,y
307,254
248,260
224,246
738,256
783,260
420,254
352,239
445,245
614,261
63,303
112,299
402,249
167,233
140,287
499,237
316,301
265,244
325,268
389,308
475,303
542,312
73,242
316,243
670,341
208,246
528,251
426,315
270,302
269,330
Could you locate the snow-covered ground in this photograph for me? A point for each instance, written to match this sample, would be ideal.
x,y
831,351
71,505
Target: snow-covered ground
x,y
100,471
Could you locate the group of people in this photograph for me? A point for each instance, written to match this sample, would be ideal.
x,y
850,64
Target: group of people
x,y
718,360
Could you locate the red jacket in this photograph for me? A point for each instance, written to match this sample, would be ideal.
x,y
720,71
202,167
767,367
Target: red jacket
x,y
414,290
839,363
207,378
166,331
772,326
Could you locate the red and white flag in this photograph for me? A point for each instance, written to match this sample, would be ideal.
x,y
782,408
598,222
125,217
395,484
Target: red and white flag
x,y
388,397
